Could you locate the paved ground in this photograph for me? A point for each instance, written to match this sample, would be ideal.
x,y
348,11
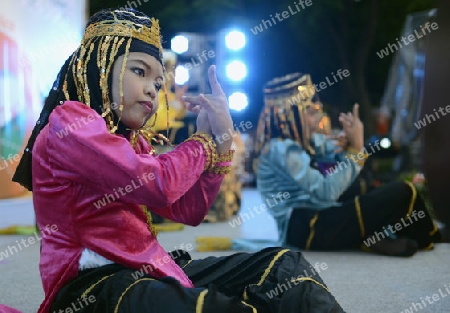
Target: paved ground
x,y
361,282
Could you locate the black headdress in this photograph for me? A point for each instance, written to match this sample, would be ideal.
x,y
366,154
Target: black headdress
x,y
86,74
283,116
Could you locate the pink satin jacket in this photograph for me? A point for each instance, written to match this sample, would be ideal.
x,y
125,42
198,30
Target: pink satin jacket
x,y
90,184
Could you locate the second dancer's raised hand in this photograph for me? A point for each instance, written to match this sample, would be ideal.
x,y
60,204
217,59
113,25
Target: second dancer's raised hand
x,y
353,128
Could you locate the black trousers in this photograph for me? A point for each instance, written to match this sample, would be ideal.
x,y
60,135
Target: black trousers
x,y
395,208
272,280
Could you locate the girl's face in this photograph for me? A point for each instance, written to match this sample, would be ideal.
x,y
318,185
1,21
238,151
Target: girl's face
x,y
142,80
312,118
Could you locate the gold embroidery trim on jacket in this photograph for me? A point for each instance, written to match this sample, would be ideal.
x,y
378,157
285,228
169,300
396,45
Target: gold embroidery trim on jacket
x,y
272,263
201,301
413,197
266,272
126,290
411,206
189,262
310,279
360,219
363,186
254,310
312,231
95,284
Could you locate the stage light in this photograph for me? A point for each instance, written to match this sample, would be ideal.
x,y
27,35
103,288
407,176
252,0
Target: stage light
x,y
236,70
179,44
385,143
238,101
235,40
181,75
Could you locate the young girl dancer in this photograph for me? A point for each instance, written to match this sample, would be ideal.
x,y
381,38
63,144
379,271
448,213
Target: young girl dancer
x,y
96,177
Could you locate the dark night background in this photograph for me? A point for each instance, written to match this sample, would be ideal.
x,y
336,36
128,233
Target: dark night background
x,y
320,39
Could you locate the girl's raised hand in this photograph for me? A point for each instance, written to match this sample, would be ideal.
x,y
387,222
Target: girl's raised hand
x,y
353,128
340,141
203,125
216,106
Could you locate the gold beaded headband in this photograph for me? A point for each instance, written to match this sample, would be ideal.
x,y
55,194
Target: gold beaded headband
x,y
124,28
110,36
297,89
285,101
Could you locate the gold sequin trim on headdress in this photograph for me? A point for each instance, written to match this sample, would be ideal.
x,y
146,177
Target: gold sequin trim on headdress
x,y
107,35
124,28
286,100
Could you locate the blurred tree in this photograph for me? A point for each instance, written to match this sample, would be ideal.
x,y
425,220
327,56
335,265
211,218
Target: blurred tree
x,y
347,34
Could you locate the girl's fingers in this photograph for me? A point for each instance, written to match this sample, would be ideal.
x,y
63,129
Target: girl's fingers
x,y
215,86
193,108
356,110
196,109
200,100
191,99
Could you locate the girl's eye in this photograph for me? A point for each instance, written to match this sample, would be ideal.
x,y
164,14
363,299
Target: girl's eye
x,y
139,71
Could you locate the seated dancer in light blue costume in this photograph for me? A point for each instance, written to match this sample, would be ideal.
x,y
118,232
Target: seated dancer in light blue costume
x,y
390,220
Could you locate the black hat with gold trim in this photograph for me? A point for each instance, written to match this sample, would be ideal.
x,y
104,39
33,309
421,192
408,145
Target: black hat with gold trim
x,y
286,99
86,75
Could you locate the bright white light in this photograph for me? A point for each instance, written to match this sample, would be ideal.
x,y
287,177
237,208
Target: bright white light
x,y
236,70
385,143
238,101
179,44
235,40
181,75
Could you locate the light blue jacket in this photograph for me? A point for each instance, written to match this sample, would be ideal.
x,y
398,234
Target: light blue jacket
x,y
324,149
284,166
